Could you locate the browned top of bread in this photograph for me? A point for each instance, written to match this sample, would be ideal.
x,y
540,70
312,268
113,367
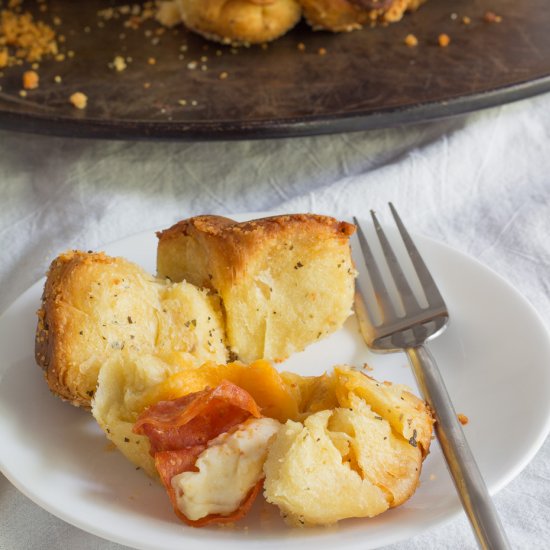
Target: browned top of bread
x,y
231,230
235,244
230,248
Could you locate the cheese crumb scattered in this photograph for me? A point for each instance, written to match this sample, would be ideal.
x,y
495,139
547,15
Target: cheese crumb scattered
x,y
119,63
79,100
492,17
30,80
444,40
30,39
411,40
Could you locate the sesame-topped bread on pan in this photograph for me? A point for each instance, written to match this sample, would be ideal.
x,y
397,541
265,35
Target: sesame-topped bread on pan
x,y
284,281
94,306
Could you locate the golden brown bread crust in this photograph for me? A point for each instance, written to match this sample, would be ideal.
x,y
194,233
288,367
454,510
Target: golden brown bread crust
x,y
349,15
48,351
285,281
240,21
357,452
95,306
233,241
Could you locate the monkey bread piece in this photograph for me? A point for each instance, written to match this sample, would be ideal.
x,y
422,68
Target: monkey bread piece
x,y
94,306
284,281
355,460
240,21
349,15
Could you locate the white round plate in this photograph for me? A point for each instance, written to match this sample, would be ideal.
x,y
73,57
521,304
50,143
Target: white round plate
x,y
495,358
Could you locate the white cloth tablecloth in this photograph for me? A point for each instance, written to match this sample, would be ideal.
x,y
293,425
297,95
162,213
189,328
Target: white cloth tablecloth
x,y
480,183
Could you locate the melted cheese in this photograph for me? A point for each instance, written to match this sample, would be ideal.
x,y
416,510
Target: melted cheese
x,y
227,470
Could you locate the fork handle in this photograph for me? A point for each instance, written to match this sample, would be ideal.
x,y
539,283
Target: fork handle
x,y
465,473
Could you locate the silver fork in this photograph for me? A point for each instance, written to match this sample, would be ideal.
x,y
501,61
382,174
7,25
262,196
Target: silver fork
x,y
408,333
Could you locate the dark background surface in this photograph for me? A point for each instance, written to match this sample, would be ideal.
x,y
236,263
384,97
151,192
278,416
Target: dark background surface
x,y
367,79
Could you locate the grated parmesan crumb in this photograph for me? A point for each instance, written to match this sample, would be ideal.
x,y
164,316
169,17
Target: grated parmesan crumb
x,y
30,80
444,40
79,100
492,17
119,63
411,41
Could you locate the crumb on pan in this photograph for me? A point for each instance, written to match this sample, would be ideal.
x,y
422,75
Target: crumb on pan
x,y
444,40
463,419
79,100
30,80
411,40
23,38
119,63
492,17
466,20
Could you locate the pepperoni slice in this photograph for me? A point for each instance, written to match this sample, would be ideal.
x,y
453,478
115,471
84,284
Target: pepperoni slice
x,y
179,431
196,418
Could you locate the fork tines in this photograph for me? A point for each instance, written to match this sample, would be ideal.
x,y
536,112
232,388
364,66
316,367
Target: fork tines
x,y
414,312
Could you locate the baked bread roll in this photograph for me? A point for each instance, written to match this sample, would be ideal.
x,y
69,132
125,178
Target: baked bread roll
x,y
95,306
355,460
285,281
240,21
349,15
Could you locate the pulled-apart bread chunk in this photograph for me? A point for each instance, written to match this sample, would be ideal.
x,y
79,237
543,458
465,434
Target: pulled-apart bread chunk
x,y
285,281
240,21
349,15
94,306
355,460
209,449
350,447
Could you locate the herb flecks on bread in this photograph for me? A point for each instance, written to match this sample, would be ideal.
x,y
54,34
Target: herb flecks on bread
x,y
95,306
